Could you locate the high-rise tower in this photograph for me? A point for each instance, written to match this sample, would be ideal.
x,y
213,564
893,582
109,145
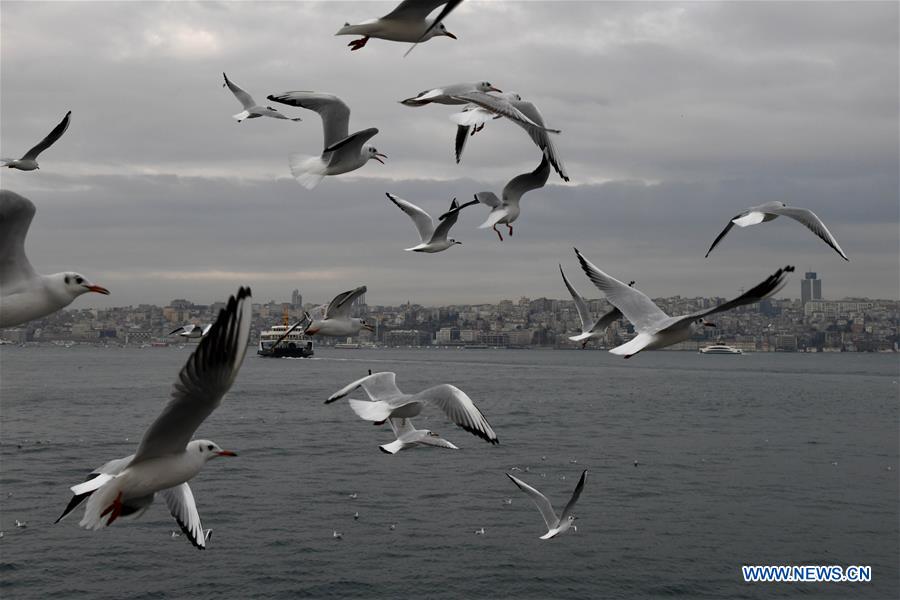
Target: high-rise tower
x,y
810,288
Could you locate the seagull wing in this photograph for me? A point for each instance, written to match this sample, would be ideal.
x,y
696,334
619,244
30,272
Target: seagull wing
x,y
243,97
180,501
489,199
503,107
462,136
353,143
634,304
50,139
575,496
401,426
16,213
448,220
539,500
460,408
204,379
521,184
334,112
449,5
93,481
417,10
339,307
378,387
606,320
541,138
813,223
422,220
580,305
721,235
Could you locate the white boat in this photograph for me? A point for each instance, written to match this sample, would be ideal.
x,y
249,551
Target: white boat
x,y
720,349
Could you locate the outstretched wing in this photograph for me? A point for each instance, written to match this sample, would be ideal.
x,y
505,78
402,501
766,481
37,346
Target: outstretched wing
x,y
541,138
501,106
634,304
580,305
524,183
180,501
16,213
421,219
539,500
575,496
202,382
448,220
379,386
721,235
50,139
460,408
334,112
339,307
243,97
416,10
809,219
354,142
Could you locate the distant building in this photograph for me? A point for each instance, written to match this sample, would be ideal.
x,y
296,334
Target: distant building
x,y
810,288
296,299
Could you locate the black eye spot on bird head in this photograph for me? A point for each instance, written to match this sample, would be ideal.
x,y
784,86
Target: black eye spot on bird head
x,y
79,280
209,447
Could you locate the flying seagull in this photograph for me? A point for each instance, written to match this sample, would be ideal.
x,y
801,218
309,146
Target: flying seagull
x,y
252,110
448,94
342,152
655,328
337,320
433,239
507,210
410,437
472,119
386,401
590,329
24,293
555,525
166,458
406,23
773,210
191,331
29,161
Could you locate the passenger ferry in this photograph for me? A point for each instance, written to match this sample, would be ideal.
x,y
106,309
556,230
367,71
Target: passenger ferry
x,y
292,344
720,349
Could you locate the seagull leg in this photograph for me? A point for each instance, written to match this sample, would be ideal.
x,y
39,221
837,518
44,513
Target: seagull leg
x,y
115,509
497,232
508,226
357,44
584,344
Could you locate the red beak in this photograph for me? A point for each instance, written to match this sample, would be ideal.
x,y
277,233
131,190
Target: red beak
x,y
99,289
226,453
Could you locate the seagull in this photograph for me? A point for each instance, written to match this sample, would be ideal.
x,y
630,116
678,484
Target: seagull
x,y
353,496
479,531
555,525
434,239
472,119
589,329
449,94
507,210
341,152
337,320
655,328
191,331
21,524
387,401
406,23
252,110
392,526
166,458
410,437
773,210
29,161
356,516
25,294
522,113
337,534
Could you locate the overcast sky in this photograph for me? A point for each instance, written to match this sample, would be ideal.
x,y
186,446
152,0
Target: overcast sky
x,y
675,116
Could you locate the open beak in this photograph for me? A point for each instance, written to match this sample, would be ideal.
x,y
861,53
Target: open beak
x,y
493,89
368,327
450,35
708,324
226,453
378,156
99,289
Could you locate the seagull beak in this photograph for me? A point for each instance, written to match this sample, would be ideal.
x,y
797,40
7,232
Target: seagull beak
x,y
226,453
493,89
450,35
368,327
378,156
708,324
99,289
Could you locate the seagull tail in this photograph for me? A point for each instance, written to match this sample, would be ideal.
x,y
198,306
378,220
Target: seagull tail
x,y
392,448
307,170
371,411
241,116
634,346
99,511
580,337
492,219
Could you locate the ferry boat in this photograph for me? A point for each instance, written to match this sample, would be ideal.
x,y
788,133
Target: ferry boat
x,y
285,341
720,349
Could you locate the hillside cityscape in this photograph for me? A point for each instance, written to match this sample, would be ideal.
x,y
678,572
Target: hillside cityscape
x,y
810,323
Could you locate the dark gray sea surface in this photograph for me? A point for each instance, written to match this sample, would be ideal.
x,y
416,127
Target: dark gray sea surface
x,y
757,459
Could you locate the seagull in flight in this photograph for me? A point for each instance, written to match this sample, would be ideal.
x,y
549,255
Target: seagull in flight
x,y
590,329
555,524
773,210
433,239
337,320
449,94
410,437
342,152
191,331
29,161
166,458
252,110
408,22
386,401
25,294
655,328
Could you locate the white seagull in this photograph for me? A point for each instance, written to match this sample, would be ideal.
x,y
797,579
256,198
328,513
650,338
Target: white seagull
x,y
191,331
410,437
406,23
24,293
590,329
507,210
341,152
655,328
523,113
166,458
433,239
472,119
555,525
29,161
252,110
337,320
448,94
386,401
773,210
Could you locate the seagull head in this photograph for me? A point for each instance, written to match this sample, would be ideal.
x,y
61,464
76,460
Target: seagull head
x,y
371,152
485,86
206,450
76,284
452,241
443,31
365,325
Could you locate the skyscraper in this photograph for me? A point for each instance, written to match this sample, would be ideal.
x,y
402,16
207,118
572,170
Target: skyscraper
x,y
810,288
296,299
